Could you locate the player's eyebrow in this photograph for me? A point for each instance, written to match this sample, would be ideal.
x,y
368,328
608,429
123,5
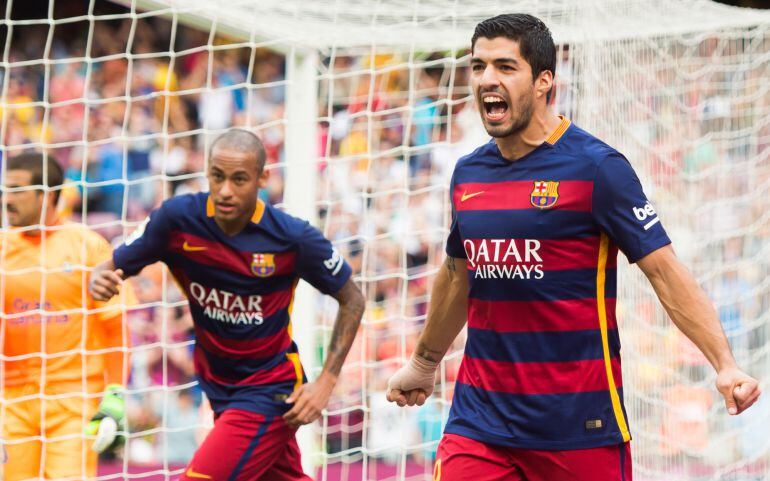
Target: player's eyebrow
x,y
477,60
16,185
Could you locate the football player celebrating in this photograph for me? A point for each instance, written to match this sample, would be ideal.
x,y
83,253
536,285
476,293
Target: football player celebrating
x,y
538,216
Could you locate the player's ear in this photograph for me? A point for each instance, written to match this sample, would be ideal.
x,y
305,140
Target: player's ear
x,y
543,83
263,178
51,198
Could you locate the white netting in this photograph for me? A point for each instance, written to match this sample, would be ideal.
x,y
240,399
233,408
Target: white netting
x,y
364,107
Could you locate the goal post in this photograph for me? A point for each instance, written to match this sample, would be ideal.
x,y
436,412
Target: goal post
x,y
364,107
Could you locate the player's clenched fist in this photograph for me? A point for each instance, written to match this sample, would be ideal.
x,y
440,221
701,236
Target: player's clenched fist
x,y
105,283
413,383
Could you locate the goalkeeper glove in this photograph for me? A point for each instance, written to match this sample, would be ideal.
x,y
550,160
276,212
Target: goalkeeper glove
x,y
108,420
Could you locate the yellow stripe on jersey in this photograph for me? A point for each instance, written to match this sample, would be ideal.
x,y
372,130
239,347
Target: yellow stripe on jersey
x,y
602,309
556,134
294,357
259,211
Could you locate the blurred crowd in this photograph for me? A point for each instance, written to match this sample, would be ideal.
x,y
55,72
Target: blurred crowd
x,y
133,130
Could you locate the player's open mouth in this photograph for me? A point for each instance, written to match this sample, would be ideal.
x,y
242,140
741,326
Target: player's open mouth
x,y
495,107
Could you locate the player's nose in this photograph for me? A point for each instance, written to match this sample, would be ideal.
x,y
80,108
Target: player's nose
x,y
489,78
226,189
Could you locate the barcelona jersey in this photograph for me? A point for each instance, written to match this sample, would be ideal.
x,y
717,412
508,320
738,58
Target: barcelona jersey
x,y
240,290
540,236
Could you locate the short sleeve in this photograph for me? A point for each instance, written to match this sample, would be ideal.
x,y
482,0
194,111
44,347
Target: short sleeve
x,y
622,210
145,246
454,242
319,263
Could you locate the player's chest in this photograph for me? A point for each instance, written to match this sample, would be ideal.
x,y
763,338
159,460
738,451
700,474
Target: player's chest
x,y
524,208
248,262
30,269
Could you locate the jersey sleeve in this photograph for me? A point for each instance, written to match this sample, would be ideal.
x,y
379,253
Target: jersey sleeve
x,y
622,210
454,242
146,245
319,263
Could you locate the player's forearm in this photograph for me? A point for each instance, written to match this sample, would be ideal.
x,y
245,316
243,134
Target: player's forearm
x,y
447,312
349,315
689,308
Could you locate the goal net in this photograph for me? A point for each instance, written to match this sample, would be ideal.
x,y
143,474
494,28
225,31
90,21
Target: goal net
x,y
364,107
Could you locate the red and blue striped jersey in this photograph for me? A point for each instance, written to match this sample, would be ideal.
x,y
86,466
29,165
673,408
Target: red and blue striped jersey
x,y
240,290
541,368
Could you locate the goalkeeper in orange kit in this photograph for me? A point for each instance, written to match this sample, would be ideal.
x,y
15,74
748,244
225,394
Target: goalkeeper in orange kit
x,y
64,360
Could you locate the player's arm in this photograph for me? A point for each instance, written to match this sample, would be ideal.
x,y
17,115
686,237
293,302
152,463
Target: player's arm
x,y
692,312
145,246
310,399
413,383
320,264
351,309
623,212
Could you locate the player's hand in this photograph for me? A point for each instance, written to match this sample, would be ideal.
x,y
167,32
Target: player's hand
x,y
309,401
105,284
413,383
738,388
108,420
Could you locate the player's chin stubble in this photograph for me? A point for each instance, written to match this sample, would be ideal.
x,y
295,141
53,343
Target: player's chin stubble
x,y
519,118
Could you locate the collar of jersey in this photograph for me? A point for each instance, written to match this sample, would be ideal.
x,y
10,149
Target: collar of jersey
x,y
259,211
37,236
559,132
550,141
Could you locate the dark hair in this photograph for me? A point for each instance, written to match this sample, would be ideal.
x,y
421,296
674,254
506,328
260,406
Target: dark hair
x,y
534,39
242,140
35,163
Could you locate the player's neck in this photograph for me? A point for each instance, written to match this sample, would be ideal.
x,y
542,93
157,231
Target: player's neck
x,y
540,127
51,219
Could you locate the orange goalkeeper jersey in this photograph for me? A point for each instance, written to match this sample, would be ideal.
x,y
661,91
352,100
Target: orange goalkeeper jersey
x,y
50,327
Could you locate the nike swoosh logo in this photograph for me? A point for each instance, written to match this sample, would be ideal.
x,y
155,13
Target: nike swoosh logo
x,y
188,248
192,474
467,196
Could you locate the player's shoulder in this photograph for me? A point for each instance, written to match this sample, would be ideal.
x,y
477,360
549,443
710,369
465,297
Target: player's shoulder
x,y
281,222
185,204
585,146
72,237
80,233
183,210
485,154
481,154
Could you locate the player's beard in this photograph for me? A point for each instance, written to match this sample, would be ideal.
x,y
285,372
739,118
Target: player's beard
x,y
520,113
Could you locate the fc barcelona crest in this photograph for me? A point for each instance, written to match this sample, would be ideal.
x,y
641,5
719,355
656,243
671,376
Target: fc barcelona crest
x,y
263,265
545,194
